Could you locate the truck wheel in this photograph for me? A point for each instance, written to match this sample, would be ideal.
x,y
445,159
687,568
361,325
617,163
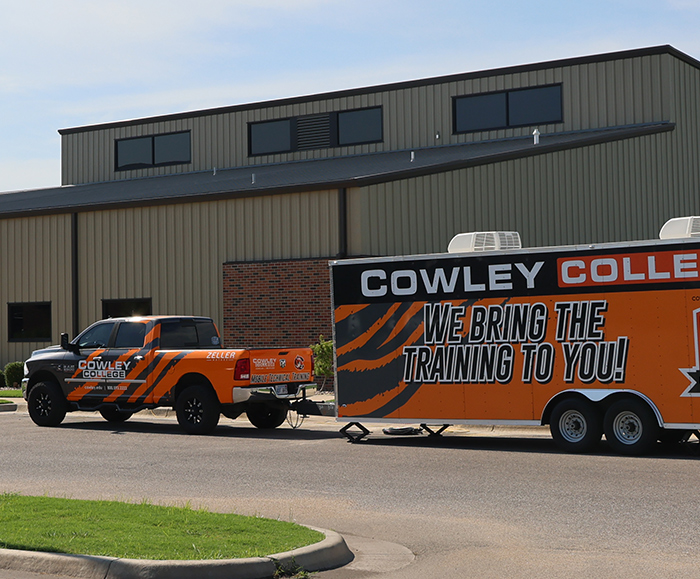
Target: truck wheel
x,y
197,410
631,427
46,404
575,425
115,415
266,416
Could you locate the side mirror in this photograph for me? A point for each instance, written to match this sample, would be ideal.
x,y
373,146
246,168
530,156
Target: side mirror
x,y
65,343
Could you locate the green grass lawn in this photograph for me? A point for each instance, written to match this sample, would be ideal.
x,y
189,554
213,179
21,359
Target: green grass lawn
x,y
141,531
11,393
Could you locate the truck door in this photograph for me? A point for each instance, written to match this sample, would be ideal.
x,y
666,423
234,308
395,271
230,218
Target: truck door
x,y
87,382
125,363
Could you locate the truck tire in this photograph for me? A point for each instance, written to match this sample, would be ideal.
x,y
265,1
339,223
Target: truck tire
x,y
46,404
576,425
197,409
266,416
115,415
631,427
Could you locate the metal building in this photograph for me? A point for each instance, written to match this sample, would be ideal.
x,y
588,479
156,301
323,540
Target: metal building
x,y
151,210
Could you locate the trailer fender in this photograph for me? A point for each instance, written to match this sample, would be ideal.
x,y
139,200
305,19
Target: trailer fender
x,y
605,396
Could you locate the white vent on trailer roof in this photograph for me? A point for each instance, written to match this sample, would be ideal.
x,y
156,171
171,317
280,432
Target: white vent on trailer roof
x,y
680,227
484,241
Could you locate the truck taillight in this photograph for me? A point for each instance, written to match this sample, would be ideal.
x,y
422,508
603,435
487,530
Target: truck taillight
x,y
242,370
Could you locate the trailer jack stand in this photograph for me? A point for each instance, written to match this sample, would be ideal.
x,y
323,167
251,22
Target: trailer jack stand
x,y
354,436
435,432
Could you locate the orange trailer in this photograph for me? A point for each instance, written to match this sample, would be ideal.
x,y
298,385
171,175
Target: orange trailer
x,y
588,339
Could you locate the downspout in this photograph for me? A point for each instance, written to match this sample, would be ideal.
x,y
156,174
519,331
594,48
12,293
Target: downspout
x,y
74,275
342,223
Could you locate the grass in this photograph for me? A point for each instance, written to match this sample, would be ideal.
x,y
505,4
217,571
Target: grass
x,y
141,531
11,392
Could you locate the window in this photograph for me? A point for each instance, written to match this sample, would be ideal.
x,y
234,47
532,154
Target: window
x,y
535,106
360,126
130,335
270,137
153,151
126,308
96,336
29,322
318,131
188,334
513,108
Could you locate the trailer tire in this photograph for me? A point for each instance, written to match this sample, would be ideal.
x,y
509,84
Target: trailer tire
x,y
266,416
576,425
46,404
115,415
198,409
631,427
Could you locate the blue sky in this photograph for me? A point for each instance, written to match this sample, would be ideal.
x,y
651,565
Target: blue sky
x,y
81,62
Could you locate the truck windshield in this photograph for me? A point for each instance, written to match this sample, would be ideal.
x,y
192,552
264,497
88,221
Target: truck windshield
x,y
97,336
188,335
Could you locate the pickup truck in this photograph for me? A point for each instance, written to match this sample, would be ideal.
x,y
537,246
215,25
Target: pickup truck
x,y
123,365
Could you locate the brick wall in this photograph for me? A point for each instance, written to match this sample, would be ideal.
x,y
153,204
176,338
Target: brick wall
x,y
278,303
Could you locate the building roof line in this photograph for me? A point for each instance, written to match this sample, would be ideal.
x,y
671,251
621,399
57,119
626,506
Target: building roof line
x,y
305,176
344,93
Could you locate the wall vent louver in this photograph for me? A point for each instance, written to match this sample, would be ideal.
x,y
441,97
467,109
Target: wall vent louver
x,y
313,132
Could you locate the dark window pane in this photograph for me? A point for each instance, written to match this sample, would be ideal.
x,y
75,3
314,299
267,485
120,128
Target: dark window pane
x,y
126,308
130,335
29,322
207,335
271,137
173,148
134,153
480,112
535,106
96,336
361,126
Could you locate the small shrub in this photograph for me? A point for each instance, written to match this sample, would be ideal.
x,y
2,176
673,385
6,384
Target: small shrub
x,y
2,380
323,358
14,372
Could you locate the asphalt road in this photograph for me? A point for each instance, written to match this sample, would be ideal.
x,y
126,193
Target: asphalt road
x,y
475,503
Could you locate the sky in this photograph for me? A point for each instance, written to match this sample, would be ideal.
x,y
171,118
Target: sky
x,y
71,63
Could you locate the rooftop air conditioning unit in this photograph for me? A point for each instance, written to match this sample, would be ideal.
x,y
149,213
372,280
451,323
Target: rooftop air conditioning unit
x,y
680,227
484,241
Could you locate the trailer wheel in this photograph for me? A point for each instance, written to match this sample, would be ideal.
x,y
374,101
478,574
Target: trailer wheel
x,y
266,416
46,404
631,427
197,409
115,415
576,425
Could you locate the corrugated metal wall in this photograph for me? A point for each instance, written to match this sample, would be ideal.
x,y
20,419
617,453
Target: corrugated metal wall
x,y
617,92
174,254
34,267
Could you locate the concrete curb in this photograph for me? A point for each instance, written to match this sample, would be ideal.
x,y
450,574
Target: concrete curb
x,y
331,552
11,407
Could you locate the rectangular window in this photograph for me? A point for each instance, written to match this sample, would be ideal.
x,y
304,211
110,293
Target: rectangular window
x,y
506,109
29,322
535,106
480,112
270,137
126,308
153,151
360,126
135,153
317,131
173,149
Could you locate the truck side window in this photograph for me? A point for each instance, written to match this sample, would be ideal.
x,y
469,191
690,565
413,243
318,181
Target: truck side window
x,y
130,335
188,335
97,336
